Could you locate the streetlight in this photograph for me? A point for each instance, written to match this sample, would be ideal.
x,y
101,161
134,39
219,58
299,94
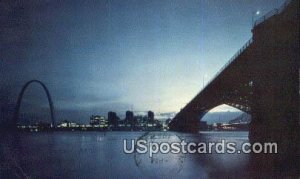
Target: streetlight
x,y
204,77
254,13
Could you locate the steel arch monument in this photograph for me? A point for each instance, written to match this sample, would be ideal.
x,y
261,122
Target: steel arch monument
x,y
18,104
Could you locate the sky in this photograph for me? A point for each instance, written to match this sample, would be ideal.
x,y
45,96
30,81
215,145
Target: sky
x,y
117,55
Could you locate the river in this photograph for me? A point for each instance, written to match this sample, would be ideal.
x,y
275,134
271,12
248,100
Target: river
x,y
101,155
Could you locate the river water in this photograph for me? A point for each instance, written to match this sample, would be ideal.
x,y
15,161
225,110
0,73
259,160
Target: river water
x,y
101,155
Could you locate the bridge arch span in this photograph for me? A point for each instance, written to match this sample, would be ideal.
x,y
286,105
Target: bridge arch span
x,y
190,119
240,106
19,100
220,108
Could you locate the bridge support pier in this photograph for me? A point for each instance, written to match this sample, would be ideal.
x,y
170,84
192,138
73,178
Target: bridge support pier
x,y
189,122
286,136
275,117
275,100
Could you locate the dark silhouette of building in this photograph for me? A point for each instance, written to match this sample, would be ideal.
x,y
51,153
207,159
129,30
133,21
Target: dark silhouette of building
x,y
130,118
150,116
113,119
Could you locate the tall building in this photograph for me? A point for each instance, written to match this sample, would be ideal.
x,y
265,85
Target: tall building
x,y
113,119
130,118
150,116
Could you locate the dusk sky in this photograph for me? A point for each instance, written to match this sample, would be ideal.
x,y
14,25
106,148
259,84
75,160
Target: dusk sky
x,y
97,56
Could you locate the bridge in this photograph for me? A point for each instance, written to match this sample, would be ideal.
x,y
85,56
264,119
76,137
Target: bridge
x,y
261,79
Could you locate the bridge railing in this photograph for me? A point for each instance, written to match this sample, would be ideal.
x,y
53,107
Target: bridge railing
x,y
272,13
246,45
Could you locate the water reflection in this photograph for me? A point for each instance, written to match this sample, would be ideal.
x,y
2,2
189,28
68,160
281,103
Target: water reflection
x,y
100,154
